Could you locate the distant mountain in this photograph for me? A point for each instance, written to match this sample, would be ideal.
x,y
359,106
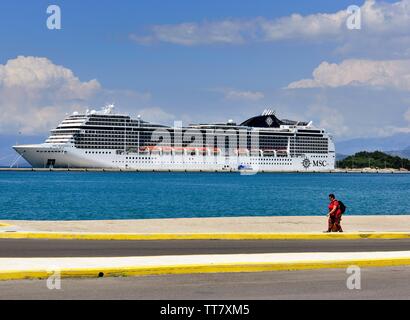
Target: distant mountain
x,y
396,142
8,155
340,156
401,153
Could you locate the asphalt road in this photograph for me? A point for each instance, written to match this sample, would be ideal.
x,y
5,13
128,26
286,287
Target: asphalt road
x,y
376,283
77,248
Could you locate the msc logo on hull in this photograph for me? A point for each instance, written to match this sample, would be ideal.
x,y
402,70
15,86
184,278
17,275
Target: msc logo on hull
x,y
315,163
306,163
319,163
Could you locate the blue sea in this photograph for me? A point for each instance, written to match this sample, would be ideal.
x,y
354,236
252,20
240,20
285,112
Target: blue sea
x,y
89,196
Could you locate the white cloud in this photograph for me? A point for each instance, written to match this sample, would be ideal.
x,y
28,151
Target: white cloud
x,y
188,34
407,115
232,94
156,115
36,74
329,118
35,93
378,18
234,31
348,111
131,94
353,72
297,26
384,17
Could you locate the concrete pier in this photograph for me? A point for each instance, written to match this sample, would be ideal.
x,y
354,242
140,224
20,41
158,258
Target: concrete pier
x,y
400,223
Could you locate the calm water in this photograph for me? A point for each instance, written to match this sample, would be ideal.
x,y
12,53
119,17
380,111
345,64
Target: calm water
x,y
68,195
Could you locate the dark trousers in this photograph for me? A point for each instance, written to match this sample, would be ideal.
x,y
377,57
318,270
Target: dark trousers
x,y
334,223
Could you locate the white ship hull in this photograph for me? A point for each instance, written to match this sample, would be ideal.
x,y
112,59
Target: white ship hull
x,y
67,156
104,139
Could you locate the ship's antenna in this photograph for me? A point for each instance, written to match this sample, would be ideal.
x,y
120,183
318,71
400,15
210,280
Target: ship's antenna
x,y
139,125
125,136
109,107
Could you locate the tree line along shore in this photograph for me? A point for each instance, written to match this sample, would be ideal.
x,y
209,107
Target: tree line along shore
x,y
374,160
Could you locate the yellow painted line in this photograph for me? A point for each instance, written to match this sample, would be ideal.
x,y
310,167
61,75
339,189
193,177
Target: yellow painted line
x,y
2,224
204,236
203,268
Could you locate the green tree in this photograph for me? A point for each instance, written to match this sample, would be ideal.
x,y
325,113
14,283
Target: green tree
x,y
376,160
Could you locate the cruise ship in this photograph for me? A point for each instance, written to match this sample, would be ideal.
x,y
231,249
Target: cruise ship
x,y
107,139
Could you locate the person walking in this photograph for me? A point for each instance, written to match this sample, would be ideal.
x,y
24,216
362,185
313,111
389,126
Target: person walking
x,y
335,215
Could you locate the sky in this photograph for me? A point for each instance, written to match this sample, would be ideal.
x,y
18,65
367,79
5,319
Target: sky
x,y
207,61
